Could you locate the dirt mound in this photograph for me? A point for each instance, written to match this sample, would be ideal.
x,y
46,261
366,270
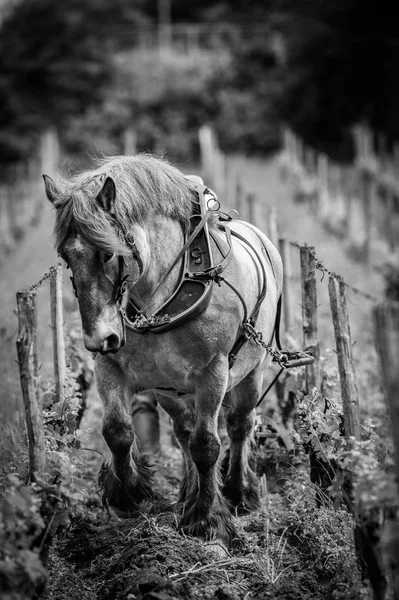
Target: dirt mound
x,y
287,550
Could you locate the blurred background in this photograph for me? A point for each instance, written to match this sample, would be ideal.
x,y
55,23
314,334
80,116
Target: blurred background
x,y
92,69
259,79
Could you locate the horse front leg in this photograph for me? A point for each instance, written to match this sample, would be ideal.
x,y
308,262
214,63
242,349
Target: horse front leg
x,y
127,478
205,512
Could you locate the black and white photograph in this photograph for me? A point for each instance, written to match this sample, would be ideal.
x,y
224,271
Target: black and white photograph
x,y
199,300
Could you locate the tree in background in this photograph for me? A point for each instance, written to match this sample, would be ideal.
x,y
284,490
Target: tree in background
x,y
56,63
341,68
338,67
245,96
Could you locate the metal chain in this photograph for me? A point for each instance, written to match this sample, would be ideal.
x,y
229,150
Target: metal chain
x,y
323,269
51,273
256,336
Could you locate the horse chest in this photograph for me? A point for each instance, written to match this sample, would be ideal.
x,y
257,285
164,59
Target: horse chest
x,y
161,360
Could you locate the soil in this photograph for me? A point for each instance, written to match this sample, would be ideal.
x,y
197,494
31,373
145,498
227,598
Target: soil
x,y
288,549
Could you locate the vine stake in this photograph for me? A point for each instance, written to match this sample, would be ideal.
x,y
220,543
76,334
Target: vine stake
x,y
57,321
29,375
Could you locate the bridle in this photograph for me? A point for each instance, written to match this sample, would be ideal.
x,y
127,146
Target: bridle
x,y
120,286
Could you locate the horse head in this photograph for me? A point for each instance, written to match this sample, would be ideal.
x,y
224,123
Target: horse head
x,y
97,251
125,218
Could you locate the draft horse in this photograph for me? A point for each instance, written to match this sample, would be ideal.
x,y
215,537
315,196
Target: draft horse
x,y
168,290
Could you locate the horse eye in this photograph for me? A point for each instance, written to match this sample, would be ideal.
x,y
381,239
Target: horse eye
x,y
108,257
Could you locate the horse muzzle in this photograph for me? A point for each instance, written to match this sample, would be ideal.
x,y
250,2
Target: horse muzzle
x,y
108,345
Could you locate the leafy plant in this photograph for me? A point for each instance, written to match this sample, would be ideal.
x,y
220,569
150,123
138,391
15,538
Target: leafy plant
x,y
30,515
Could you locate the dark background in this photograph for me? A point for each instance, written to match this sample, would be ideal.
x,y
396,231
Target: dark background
x,y
317,66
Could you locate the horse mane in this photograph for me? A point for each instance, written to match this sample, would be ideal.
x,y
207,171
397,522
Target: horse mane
x,y
145,186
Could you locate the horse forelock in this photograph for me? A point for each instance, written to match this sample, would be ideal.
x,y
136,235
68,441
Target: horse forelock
x,y
78,214
145,186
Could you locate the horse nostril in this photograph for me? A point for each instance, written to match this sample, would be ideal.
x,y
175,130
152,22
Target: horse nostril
x,y
112,341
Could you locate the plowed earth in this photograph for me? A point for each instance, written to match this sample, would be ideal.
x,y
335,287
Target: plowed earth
x,y
289,549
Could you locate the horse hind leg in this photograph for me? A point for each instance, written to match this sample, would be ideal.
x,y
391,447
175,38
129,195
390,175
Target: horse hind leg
x,y
181,411
127,479
241,485
206,513
144,411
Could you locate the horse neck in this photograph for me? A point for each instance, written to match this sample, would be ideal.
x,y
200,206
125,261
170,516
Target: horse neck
x,y
164,239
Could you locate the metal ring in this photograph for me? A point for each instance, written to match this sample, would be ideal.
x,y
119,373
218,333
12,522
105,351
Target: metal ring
x,y
129,239
214,201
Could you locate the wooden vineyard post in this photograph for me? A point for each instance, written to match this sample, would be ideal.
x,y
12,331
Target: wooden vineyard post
x,y
365,524
367,184
386,322
347,375
389,218
285,257
309,315
29,375
238,195
272,225
57,323
386,325
205,138
251,201
130,141
323,189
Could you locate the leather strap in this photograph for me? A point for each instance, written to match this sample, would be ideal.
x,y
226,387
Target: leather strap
x,y
243,338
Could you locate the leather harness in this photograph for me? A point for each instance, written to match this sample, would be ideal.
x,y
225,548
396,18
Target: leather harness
x,y
197,277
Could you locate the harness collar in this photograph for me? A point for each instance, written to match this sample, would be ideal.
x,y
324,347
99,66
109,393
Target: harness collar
x,y
198,273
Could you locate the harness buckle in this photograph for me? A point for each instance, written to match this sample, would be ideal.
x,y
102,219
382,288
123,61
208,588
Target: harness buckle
x,y
126,238
129,239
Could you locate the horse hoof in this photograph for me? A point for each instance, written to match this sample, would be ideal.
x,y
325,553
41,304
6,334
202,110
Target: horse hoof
x,y
211,530
215,526
124,494
243,500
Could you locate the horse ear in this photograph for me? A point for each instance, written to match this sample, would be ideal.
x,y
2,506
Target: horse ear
x,y
106,196
52,190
